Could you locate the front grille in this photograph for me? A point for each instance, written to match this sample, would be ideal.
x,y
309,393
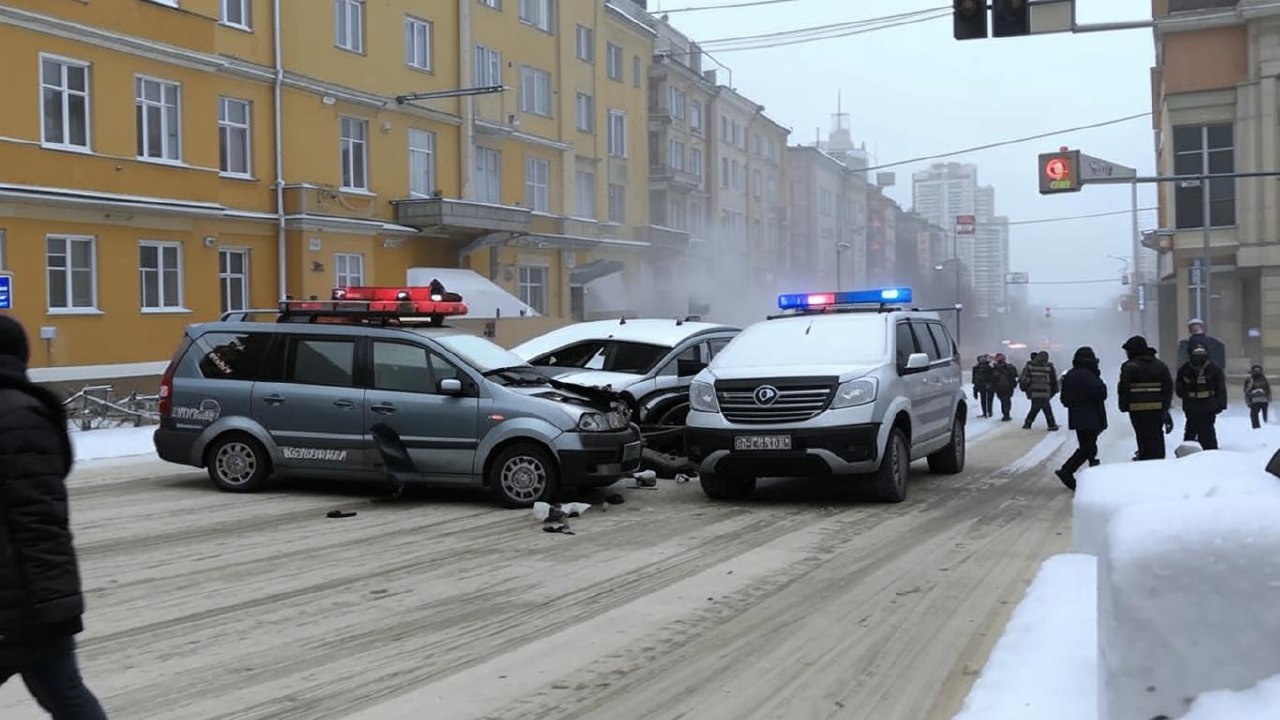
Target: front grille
x,y
795,403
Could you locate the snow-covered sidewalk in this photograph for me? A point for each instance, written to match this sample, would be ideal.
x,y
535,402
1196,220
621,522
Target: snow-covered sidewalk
x,y
113,443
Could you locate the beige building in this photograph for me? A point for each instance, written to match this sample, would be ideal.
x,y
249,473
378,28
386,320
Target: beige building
x,y
1216,103
766,200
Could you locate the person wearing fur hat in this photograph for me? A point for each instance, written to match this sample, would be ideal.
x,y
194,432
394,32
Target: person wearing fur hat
x,y
1145,392
1084,394
40,598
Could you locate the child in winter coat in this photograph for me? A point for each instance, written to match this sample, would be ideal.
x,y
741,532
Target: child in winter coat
x,y
1257,393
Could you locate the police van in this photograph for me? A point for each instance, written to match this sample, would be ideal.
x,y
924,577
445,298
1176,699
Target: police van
x,y
847,384
303,395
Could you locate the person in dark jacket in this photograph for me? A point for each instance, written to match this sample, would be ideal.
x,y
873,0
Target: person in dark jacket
x,y
40,599
1039,381
1257,393
984,389
1203,388
1004,382
1085,397
1145,392
1196,335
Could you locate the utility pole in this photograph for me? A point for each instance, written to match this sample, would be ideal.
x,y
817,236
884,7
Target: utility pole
x,y
964,225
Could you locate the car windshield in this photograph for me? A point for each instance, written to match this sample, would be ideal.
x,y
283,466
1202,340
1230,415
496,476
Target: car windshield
x,y
815,340
608,355
480,353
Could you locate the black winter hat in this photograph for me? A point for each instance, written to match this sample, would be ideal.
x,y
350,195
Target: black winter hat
x,y
13,340
1084,355
1136,345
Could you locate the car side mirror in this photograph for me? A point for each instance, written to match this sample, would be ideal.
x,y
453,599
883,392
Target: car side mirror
x,y
917,361
689,368
449,386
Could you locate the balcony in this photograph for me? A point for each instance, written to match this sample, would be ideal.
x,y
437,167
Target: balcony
x,y
665,173
663,238
566,226
449,214
329,200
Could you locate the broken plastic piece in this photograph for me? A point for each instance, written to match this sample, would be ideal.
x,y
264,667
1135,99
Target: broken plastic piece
x,y
335,514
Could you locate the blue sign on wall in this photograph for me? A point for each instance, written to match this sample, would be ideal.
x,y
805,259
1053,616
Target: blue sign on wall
x,y
6,292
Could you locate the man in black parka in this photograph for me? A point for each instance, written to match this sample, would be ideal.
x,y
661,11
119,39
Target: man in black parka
x,y
1085,397
40,599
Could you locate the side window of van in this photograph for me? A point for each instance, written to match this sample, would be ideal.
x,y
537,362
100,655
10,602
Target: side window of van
x,y
906,344
321,361
689,354
716,345
399,367
943,340
231,356
926,341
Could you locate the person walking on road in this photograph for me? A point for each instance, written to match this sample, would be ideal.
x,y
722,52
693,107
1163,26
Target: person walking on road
x,y
1084,394
40,598
1039,381
1004,380
1145,392
1203,388
1257,393
984,390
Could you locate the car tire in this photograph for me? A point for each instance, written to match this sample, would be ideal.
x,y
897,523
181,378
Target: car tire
x,y
950,459
238,463
523,474
727,487
889,482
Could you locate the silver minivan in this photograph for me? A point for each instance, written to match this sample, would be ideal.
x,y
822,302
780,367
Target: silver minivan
x,y
247,400
830,388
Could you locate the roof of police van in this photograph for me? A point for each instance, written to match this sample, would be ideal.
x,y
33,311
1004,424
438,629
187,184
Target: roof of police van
x,y
332,328
651,331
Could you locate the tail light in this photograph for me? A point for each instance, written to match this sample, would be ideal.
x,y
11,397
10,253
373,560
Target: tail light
x,y
165,397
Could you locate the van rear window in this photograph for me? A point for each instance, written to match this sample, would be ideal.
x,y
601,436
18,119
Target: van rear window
x,y
231,356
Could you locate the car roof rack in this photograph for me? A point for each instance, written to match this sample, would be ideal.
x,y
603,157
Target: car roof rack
x,y
370,305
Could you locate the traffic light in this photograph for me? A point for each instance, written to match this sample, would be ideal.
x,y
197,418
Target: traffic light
x,y
1010,18
1047,313
970,19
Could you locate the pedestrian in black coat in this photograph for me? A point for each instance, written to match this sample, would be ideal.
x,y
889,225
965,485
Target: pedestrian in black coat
x,y
1257,393
1004,382
1085,397
984,379
40,599
1146,394
1203,388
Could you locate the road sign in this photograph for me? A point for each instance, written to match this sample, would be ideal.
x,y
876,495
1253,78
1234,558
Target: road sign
x,y
966,224
1142,297
1016,278
1092,168
1059,172
6,292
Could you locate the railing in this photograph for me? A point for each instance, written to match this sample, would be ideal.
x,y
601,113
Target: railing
x,y
96,407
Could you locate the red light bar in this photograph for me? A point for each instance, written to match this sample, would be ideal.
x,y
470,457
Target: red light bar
x,y
382,302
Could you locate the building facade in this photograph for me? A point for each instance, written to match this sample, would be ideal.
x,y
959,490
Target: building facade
x,y
187,157
990,255
941,193
766,199
818,256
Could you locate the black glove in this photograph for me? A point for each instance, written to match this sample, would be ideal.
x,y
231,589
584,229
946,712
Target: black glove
x,y
975,393
1168,423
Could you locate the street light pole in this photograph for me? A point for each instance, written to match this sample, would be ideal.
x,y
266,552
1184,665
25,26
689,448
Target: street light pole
x,y
955,260
1206,271
1135,277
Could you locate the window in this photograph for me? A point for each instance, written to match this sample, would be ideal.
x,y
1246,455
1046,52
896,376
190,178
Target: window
x,y
348,270
617,134
64,103
236,13
696,223
677,104
677,155
233,137
724,172
613,61
533,287
586,194
906,344
495,4
695,162
617,203
535,91
926,342
757,184
586,113
422,163
230,356
1204,149
537,13
160,265
312,361
678,219
946,349
585,43
354,148
488,66
72,272
771,187
159,119
488,178
695,117
233,279
417,43
537,185
349,24
401,368
737,175
637,71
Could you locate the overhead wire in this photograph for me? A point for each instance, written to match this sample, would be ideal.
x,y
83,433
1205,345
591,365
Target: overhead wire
x,y
812,29
784,41
727,6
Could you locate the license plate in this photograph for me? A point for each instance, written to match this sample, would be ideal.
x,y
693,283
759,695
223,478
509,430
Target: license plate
x,y
762,442
630,452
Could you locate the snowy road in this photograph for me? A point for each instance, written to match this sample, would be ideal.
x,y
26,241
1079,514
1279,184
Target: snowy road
x,y
797,604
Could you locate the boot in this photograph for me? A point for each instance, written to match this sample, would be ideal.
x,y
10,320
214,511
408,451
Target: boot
x,y
1053,428
1094,462
1067,478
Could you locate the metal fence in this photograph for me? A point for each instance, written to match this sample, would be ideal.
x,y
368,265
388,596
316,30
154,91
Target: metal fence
x,y
96,406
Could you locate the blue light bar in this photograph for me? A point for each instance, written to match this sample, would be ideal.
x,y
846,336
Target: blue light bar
x,y
805,301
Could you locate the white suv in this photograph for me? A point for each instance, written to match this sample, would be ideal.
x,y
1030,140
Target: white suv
x,y
844,384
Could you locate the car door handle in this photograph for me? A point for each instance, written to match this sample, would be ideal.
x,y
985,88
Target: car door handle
x,y
383,408
344,404
273,399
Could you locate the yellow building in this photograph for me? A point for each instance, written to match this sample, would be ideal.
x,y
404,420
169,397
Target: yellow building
x,y
142,186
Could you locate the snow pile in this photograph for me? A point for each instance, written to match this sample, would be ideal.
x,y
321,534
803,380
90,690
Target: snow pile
x,y
1188,602
1045,665
113,443
1259,702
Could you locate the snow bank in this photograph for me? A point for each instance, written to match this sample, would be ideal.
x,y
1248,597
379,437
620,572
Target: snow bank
x,y
1045,665
1260,702
1187,600
113,443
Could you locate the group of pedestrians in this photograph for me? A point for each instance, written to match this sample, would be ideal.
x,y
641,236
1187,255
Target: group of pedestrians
x,y
994,377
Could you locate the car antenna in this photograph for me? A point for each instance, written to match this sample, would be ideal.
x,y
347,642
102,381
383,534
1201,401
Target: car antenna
x,y
622,321
679,322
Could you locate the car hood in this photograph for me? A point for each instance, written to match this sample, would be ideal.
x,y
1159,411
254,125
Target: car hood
x,y
595,378
774,372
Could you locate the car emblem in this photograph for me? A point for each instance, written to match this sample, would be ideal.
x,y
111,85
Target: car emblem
x,y
765,395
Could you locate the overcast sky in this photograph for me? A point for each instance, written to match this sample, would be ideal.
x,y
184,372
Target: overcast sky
x,y
914,90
